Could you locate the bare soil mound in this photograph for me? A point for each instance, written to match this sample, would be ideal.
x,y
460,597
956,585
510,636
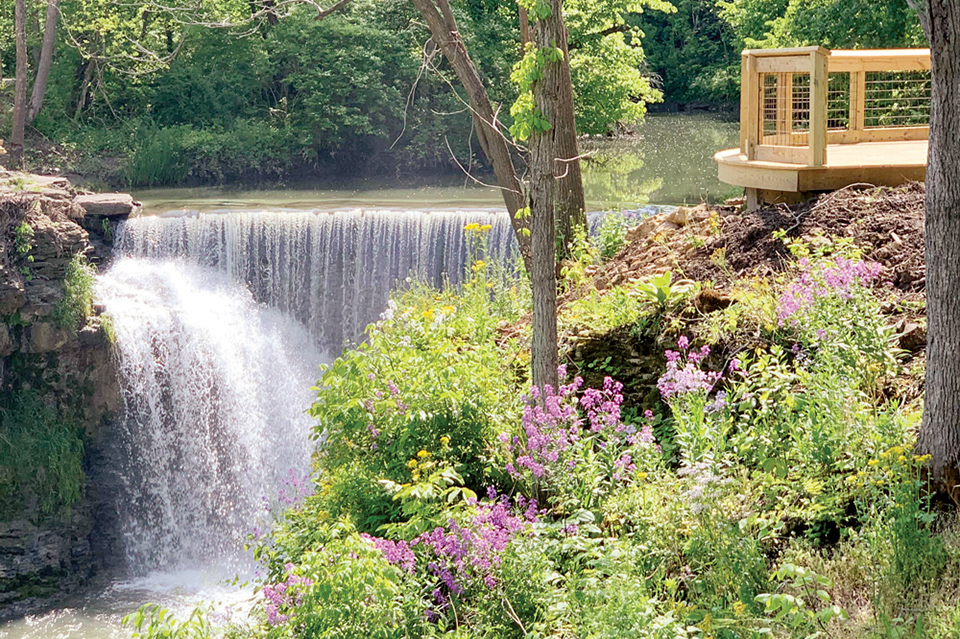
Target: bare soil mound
x,y
722,243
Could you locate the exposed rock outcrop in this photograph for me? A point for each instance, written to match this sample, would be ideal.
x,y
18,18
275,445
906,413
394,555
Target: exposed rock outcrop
x,y
60,354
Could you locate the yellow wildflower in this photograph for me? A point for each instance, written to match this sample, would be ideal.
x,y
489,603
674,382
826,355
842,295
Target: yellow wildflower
x,y
412,463
872,462
445,441
423,454
486,227
479,265
473,226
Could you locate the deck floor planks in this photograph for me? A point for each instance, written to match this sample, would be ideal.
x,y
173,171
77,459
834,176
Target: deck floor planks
x,y
880,163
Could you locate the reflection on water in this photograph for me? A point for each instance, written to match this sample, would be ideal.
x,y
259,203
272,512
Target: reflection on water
x,y
668,161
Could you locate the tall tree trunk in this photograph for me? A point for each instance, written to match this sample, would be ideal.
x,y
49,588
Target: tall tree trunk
x,y
86,79
20,90
446,35
940,431
551,190
46,59
571,203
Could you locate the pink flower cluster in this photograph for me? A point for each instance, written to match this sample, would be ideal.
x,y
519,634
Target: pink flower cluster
x,y
283,596
294,490
550,427
395,552
457,555
683,371
552,424
816,280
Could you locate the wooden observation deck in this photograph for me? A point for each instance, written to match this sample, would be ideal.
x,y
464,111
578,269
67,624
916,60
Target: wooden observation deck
x,y
818,120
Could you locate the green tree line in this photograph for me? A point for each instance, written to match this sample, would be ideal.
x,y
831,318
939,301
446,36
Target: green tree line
x,y
185,92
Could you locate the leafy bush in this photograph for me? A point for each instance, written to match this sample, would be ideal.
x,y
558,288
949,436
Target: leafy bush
x,y
72,310
451,503
426,394
612,233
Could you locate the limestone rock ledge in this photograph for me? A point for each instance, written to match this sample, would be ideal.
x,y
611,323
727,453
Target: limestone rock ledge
x,y
69,365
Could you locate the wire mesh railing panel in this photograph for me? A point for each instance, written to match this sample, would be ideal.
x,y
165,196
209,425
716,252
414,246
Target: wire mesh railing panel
x,y
784,108
897,99
800,117
838,102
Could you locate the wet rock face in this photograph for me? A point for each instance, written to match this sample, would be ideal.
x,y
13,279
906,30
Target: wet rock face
x,y
58,560
67,364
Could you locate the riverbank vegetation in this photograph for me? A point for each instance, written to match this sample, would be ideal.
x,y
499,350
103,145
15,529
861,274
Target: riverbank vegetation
x,y
729,456
137,96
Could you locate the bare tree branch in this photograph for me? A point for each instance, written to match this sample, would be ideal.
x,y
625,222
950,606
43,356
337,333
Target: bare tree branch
x,y
323,13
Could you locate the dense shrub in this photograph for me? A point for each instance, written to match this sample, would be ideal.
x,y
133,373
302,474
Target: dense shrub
x,y
451,500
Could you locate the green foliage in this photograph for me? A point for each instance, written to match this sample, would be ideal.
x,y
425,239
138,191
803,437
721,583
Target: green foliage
x,y
618,96
894,496
612,234
167,102
693,50
665,292
347,590
23,240
426,392
151,621
41,457
72,310
108,328
180,153
726,558
796,611
835,24
620,306
607,62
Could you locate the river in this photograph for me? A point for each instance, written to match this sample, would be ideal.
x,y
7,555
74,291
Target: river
x,y
669,161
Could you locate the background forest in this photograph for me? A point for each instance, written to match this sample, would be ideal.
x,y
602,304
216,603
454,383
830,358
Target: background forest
x,y
142,94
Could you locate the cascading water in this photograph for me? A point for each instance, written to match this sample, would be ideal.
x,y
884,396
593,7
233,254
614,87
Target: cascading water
x,y
215,383
214,392
332,271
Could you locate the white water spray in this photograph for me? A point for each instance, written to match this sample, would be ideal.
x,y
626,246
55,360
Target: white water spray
x,y
214,392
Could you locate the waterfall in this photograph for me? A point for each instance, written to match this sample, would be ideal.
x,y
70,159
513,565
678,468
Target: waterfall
x,y
215,387
332,271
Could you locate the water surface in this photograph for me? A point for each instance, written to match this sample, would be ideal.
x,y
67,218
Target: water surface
x,y
668,161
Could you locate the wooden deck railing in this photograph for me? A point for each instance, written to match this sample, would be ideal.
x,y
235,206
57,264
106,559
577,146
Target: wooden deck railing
x,y
795,102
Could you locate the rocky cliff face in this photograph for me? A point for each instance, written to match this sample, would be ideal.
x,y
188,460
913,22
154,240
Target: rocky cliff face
x,y
58,386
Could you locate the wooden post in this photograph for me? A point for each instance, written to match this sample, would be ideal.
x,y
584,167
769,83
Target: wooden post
x,y
818,107
858,103
749,105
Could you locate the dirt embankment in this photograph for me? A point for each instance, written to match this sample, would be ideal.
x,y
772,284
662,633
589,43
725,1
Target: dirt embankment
x,y
718,245
721,243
